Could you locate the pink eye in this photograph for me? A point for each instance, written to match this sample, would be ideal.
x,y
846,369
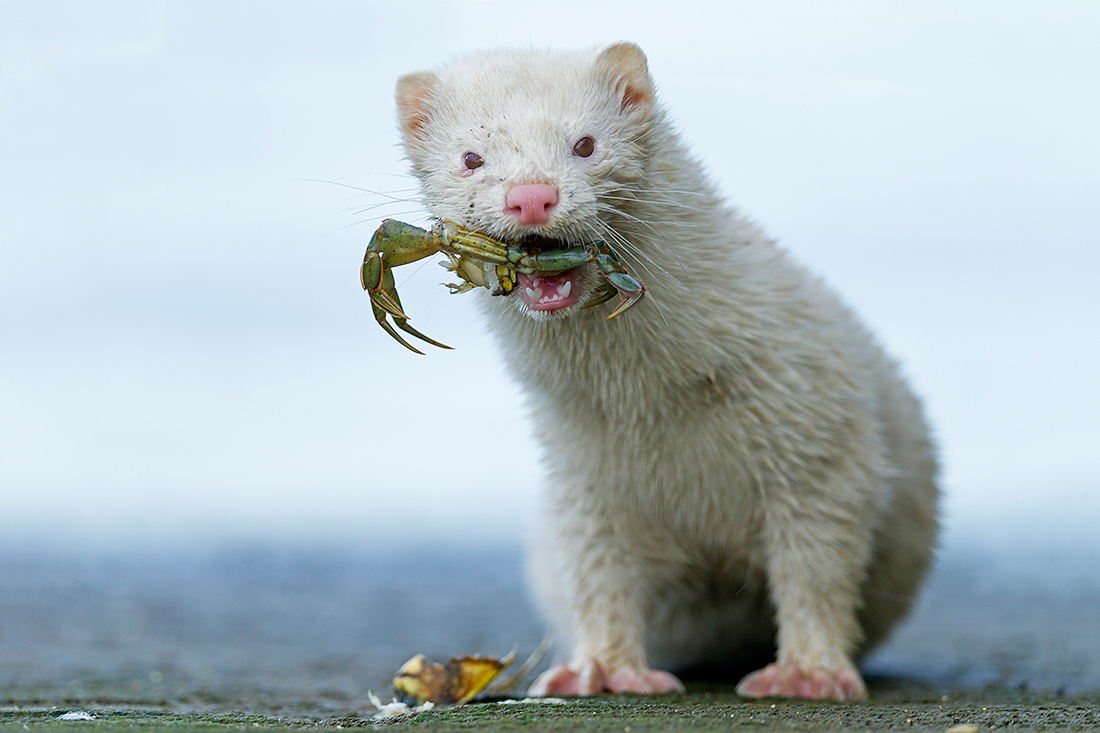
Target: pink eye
x,y
472,161
584,147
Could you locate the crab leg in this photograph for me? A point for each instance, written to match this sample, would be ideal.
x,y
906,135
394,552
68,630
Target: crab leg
x,y
473,254
387,296
628,286
552,261
394,244
619,280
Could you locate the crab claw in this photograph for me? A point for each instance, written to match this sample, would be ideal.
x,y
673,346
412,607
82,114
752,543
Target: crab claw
x,y
401,322
630,287
619,280
377,280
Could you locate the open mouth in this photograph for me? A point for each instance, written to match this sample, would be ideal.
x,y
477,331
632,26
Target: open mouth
x,y
548,292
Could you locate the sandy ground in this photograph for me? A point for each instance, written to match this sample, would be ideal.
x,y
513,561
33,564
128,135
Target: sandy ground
x,y
303,636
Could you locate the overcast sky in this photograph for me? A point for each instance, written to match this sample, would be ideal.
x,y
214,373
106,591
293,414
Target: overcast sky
x,y
186,355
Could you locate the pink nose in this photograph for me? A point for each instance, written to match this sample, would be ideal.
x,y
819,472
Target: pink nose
x,y
531,202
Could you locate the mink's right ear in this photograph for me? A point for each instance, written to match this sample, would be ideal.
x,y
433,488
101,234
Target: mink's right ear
x,y
414,98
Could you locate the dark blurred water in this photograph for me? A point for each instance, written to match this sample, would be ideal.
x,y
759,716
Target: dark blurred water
x,y
311,632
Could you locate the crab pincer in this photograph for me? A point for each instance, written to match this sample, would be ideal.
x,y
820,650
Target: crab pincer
x,y
479,261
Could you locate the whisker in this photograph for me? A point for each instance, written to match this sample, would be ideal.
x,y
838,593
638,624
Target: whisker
x,y
623,243
361,189
373,222
387,194
423,263
407,212
645,262
366,209
346,226
656,191
655,202
630,245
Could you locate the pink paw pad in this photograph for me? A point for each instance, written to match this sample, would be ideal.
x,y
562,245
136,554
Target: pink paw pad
x,y
562,680
644,681
591,679
790,680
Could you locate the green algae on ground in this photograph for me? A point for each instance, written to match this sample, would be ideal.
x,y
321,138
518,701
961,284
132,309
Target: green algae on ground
x,y
892,707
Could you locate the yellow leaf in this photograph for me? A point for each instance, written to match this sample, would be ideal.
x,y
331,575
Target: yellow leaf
x,y
454,683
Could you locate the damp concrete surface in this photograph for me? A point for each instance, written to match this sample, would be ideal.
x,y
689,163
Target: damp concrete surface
x,y
298,637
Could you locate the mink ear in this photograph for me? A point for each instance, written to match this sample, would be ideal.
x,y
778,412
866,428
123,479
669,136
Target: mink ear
x,y
625,65
414,95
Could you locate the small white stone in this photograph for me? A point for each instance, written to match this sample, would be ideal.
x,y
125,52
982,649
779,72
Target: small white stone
x,y
534,701
391,709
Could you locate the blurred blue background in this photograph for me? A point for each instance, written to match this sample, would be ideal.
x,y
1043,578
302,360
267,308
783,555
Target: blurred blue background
x,y
187,188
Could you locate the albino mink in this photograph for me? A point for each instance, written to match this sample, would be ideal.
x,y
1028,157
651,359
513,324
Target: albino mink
x,y
735,466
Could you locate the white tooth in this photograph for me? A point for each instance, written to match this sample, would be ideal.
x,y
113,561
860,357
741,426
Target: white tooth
x,y
565,290
534,294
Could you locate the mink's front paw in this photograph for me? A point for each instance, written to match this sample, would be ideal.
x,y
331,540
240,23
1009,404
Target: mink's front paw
x,y
590,678
790,680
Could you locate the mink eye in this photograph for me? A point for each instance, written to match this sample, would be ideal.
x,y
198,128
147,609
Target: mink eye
x,y
584,147
472,161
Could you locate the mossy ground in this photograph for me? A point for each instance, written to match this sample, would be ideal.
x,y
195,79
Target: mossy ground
x,y
893,706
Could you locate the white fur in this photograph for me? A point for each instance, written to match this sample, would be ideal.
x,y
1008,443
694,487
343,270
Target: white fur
x,y
733,456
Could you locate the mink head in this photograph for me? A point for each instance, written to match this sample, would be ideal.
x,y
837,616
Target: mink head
x,y
542,146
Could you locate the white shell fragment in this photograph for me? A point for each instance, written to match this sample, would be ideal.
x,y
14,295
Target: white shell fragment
x,y
395,708
534,701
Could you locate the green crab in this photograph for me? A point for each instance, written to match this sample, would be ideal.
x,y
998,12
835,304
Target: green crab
x,y
479,261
